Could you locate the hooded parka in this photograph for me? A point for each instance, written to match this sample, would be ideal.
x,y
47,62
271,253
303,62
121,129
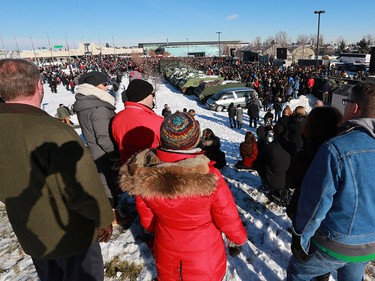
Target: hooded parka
x,y
95,109
185,201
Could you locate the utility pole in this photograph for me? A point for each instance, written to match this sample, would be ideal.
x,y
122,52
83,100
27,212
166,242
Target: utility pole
x,y
317,41
218,35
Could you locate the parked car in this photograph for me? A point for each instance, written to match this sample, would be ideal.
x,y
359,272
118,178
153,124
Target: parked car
x,y
206,89
222,99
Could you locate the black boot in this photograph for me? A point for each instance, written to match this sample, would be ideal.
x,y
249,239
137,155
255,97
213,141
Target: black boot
x,y
283,197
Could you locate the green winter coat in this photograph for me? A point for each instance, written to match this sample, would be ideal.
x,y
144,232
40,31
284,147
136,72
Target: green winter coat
x,y
62,112
49,184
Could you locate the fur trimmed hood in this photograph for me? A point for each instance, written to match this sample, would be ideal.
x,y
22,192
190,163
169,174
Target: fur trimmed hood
x,y
147,176
90,90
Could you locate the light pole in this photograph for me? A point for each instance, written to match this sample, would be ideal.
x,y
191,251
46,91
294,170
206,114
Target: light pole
x,y
218,36
317,41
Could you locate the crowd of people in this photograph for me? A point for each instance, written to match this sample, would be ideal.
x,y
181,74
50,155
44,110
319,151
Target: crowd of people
x,y
173,171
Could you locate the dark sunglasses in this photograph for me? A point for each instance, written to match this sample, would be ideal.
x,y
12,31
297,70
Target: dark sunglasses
x,y
153,94
105,84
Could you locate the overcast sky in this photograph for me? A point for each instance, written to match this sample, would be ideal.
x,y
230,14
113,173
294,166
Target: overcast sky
x,y
127,23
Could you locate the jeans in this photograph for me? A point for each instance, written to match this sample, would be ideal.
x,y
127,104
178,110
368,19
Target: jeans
x,y
232,122
86,265
295,94
320,263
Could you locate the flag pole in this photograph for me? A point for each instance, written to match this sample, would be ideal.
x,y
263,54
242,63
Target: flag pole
x,y
67,45
2,44
50,47
32,44
18,49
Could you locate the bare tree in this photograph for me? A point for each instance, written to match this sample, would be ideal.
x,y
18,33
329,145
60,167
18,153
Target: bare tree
x,y
302,39
321,39
282,38
269,40
137,58
257,43
369,39
312,39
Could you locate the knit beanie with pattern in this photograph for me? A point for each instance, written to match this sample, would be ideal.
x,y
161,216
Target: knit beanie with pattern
x,y
179,131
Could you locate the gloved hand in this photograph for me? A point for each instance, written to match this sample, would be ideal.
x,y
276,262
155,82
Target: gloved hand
x,y
234,251
297,249
115,164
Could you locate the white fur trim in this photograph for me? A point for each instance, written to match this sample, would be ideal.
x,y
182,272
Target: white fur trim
x,y
90,90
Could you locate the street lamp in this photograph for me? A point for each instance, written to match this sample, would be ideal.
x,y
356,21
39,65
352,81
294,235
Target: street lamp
x,y
317,41
218,35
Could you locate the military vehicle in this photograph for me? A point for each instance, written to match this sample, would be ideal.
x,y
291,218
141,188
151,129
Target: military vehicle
x,y
192,81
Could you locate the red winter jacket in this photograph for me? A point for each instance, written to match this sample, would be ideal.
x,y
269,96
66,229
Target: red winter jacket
x,y
310,83
135,128
249,150
186,202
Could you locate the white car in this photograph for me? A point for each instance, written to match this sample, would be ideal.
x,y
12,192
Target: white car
x,y
222,99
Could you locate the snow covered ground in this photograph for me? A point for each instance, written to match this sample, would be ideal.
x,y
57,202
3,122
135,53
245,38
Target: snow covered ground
x,y
265,255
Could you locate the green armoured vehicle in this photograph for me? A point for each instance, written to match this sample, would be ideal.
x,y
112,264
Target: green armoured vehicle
x,y
169,72
187,79
177,75
190,82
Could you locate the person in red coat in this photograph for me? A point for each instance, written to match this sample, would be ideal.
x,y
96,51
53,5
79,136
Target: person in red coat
x,y
248,151
185,202
137,126
310,84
